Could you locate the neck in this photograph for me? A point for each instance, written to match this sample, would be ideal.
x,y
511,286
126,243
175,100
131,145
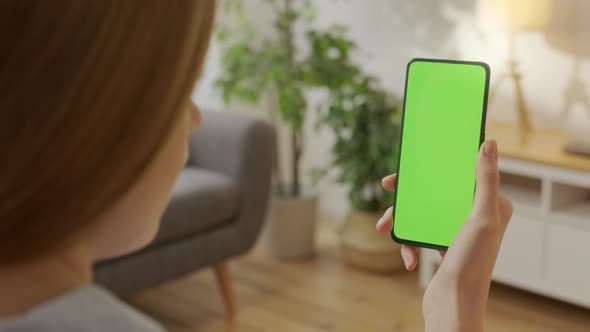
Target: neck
x,y
28,284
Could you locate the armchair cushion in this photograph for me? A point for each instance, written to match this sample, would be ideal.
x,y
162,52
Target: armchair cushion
x,y
201,200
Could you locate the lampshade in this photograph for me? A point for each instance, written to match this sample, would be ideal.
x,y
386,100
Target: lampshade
x,y
515,14
569,29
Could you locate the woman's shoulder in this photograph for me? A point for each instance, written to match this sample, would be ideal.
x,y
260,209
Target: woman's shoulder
x,y
85,309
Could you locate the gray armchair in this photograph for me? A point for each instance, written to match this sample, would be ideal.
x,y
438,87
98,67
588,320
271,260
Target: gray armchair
x,y
216,211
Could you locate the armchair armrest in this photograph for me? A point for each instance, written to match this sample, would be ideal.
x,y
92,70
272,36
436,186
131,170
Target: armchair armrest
x,y
243,148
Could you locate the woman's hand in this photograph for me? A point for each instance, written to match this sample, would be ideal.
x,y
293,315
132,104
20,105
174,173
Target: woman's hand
x,y
456,298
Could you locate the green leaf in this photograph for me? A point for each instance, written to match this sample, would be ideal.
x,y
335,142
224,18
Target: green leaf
x,y
309,12
363,116
317,174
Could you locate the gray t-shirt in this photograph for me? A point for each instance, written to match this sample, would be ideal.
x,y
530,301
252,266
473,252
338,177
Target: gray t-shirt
x,y
86,309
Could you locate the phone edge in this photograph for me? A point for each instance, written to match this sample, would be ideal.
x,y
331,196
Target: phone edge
x,y
486,67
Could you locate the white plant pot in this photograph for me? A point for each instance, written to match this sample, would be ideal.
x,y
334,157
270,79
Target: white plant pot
x,y
364,248
290,231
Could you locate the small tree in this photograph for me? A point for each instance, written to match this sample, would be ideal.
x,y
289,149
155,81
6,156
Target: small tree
x,y
252,66
363,120
360,113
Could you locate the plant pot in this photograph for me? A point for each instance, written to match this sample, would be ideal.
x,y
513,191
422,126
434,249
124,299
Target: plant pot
x,y
364,248
290,232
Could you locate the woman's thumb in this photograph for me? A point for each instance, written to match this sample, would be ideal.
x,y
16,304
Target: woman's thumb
x,y
487,179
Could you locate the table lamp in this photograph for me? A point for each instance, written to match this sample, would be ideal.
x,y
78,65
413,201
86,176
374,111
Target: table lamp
x,y
569,32
514,16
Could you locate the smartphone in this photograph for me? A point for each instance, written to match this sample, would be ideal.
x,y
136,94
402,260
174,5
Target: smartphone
x,y
443,127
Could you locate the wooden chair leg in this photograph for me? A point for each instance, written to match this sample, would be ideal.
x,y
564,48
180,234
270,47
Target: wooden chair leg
x,y
225,284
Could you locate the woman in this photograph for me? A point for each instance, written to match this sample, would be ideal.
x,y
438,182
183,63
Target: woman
x,y
94,124
456,298
95,115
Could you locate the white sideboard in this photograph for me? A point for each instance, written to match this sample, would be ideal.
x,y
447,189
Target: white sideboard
x,y
546,248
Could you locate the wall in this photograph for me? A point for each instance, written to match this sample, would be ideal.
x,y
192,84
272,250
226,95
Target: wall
x,y
390,32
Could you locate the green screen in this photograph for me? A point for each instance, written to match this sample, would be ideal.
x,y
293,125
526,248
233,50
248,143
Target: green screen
x,y
443,117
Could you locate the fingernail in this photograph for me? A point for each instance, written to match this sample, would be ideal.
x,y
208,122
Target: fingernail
x,y
406,260
382,225
379,223
491,150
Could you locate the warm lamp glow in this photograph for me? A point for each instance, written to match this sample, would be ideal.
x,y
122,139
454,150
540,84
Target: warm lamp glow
x,y
515,14
569,30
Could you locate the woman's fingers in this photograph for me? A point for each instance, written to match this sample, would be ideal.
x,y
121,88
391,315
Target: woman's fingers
x,y
409,253
487,180
384,224
388,182
410,257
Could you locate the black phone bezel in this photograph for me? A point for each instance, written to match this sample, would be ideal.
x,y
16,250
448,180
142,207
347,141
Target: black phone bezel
x,y
481,138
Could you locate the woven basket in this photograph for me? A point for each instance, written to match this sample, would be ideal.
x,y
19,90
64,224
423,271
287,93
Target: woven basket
x,y
364,248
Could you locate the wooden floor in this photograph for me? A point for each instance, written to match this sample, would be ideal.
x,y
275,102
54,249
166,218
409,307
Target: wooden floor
x,y
325,295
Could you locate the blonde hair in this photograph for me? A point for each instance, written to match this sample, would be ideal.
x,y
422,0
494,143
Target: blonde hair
x,y
89,90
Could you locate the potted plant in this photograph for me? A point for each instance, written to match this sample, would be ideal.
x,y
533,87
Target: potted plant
x,y
363,118
253,67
